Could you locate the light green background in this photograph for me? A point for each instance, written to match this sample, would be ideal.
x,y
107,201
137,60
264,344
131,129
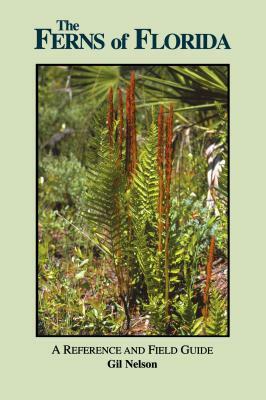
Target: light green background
x,y
235,371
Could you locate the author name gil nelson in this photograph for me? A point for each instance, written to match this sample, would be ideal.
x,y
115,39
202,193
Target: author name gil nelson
x,y
131,364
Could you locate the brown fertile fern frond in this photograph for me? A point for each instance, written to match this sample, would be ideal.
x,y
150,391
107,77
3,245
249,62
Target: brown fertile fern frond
x,y
128,134
110,117
131,137
133,121
160,162
121,123
168,173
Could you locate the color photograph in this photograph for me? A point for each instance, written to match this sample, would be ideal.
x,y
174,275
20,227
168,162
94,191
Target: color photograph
x,y
132,200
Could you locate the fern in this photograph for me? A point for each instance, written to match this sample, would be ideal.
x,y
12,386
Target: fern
x,y
186,316
216,324
147,259
107,212
144,195
106,204
146,179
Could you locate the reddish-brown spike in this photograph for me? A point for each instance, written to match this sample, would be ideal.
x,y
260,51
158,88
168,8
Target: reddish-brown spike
x,y
208,276
160,139
110,117
132,81
168,161
131,137
128,132
160,174
168,173
121,122
133,121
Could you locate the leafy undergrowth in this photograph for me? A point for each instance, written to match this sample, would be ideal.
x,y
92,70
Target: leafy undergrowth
x,y
78,290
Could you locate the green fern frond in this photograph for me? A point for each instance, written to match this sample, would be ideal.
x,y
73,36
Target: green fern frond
x,y
187,319
105,201
145,184
216,324
144,194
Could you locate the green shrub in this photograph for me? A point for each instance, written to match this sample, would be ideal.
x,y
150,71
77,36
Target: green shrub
x,y
62,182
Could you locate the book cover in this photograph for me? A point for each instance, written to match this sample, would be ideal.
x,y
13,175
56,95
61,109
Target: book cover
x,y
132,199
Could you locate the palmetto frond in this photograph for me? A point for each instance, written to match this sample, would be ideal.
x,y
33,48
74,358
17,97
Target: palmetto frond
x,y
201,87
94,81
